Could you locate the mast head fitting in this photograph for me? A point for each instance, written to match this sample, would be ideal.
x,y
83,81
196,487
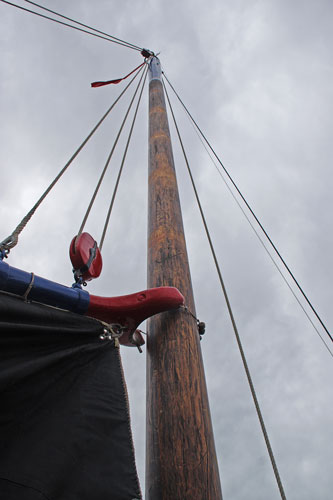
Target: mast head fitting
x,y
147,53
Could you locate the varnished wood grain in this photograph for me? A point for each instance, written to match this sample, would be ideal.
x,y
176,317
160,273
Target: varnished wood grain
x,y
181,460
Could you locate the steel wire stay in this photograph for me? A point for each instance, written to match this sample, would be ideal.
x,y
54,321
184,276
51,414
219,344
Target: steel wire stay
x,y
109,38
254,216
232,318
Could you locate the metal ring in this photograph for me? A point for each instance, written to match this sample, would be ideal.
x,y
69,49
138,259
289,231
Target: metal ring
x,y
117,330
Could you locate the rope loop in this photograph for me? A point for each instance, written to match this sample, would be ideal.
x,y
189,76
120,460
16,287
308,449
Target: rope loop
x,y
10,242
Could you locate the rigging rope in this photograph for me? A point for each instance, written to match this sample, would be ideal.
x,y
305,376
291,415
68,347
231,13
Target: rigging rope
x,y
128,44
252,213
125,44
108,160
241,350
12,240
122,165
262,242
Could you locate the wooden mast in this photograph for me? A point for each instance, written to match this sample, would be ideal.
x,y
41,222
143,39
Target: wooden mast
x,y
180,452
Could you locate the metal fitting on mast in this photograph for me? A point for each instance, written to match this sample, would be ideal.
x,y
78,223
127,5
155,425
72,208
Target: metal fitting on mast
x,y
147,53
155,72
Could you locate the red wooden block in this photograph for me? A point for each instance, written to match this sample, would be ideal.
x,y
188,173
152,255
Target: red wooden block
x,y
85,257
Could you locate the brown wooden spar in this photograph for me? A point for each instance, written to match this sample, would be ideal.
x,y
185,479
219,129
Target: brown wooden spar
x,y
180,453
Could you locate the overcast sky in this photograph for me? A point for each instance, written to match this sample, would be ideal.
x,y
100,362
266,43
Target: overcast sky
x,y
258,78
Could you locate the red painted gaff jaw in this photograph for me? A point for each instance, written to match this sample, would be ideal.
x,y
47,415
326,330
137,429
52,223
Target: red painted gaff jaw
x,y
130,310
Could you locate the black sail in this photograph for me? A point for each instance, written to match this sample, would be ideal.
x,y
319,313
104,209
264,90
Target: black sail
x,y
64,420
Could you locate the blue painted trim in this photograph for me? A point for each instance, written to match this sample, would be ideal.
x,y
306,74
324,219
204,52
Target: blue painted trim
x,y
15,281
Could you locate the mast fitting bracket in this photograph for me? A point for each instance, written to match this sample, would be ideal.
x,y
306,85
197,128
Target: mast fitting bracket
x,y
147,53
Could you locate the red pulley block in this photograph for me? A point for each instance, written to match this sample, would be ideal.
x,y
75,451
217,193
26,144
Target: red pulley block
x,y
127,311
85,257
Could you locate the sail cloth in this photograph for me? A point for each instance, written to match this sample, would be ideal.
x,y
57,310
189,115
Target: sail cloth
x,y
64,421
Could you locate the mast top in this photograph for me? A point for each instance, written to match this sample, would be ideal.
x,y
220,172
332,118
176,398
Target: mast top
x,y
155,72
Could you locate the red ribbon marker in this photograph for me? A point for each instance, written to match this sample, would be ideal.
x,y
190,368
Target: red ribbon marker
x,y
101,84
